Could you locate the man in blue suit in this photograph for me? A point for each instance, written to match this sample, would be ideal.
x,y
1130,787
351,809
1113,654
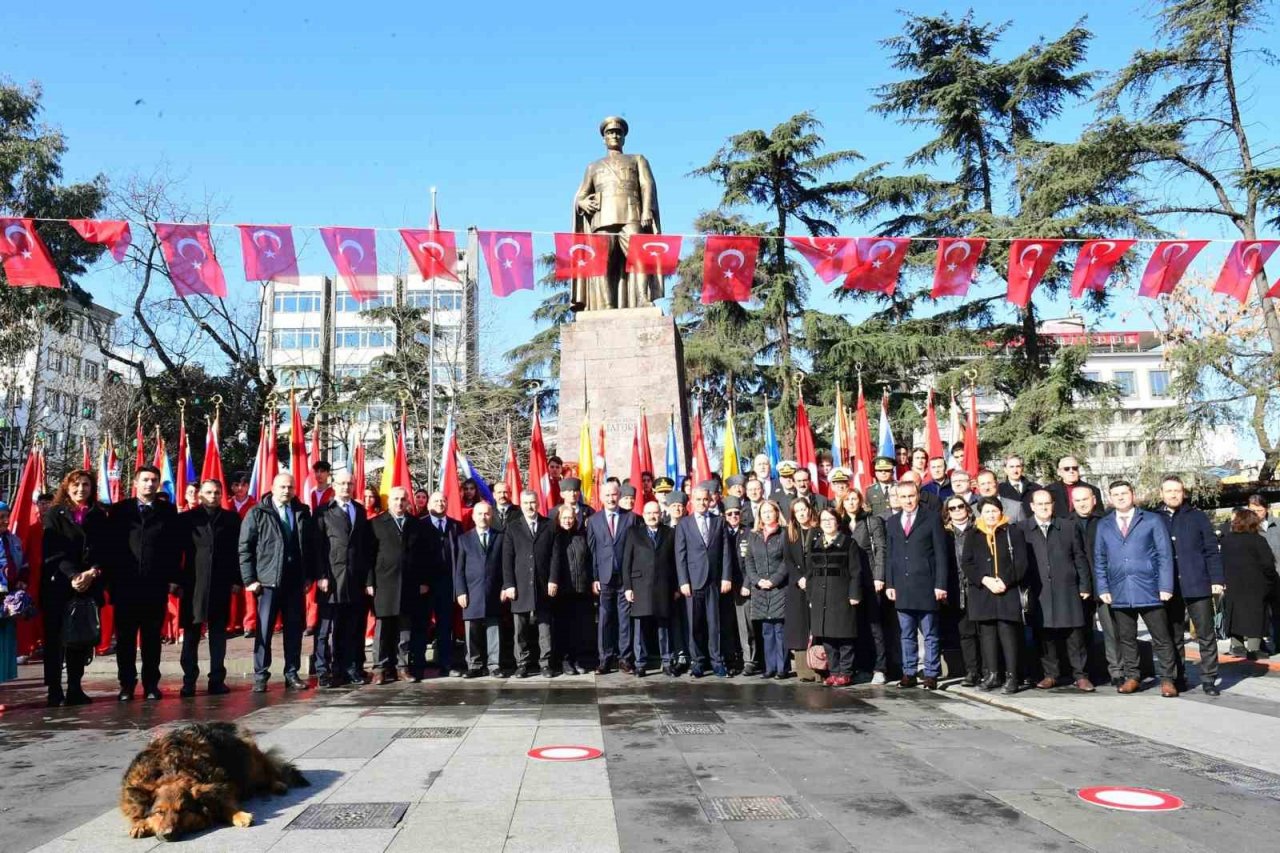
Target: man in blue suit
x,y
477,580
606,532
916,569
704,567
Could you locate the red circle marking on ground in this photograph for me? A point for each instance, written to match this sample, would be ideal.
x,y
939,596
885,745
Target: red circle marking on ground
x,y
565,753
1130,799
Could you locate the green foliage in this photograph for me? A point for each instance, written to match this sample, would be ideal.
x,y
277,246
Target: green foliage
x,y
536,362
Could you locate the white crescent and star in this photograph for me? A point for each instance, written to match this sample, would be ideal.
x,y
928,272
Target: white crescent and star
x,y
828,248
1035,250
965,249
655,248
1182,248
1096,251
582,247
731,253
180,249
428,246
1251,249
497,251
871,253
26,236
271,237
352,244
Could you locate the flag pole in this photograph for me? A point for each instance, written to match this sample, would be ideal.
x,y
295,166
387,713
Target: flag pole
x,y
431,372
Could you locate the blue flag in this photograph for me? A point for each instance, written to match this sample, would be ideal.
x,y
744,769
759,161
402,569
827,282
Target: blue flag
x,y
886,431
771,443
673,459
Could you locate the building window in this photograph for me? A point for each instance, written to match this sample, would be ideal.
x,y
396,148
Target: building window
x,y
1133,448
1091,375
90,371
295,339
449,300
366,338
297,303
377,413
54,361
1124,380
1159,383
299,377
348,304
351,371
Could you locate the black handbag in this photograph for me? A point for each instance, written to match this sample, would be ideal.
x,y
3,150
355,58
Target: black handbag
x,y
81,625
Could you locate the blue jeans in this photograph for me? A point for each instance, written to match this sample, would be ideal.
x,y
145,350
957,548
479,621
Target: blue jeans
x,y
776,656
664,639
927,622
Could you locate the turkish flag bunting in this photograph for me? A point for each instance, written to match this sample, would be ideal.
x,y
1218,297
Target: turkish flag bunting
x,y
112,233
957,265
582,255
728,267
269,254
509,257
193,268
1095,262
825,254
26,259
1028,261
355,254
656,254
1169,261
1244,262
874,262
434,251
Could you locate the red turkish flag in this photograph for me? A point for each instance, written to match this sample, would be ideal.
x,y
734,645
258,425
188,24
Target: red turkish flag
x,y
193,268
434,251
957,265
269,254
26,259
1169,261
1244,263
874,262
825,254
1028,261
355,254
728,267
582,255
509,257
112,233
656,254
1094,264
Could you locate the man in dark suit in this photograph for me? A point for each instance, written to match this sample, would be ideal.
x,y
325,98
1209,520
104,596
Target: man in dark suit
x,y
916,581
704,567
770,486
927,499
345,552
211,577
804,488
1058,583
1015,486
442,539
1087,514
737,642
1069,479
648,577
1198,576
528,584
399,588
477,580
144,570
503,509
606,531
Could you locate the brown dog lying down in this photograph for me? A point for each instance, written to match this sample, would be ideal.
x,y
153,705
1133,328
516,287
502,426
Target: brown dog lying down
x,y
196,776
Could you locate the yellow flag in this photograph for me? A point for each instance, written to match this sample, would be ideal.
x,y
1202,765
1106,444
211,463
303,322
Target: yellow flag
x,y
729,461
388,465
586,463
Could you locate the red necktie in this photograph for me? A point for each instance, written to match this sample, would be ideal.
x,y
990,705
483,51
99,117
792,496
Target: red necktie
x,y
906,524
1124,527
612,519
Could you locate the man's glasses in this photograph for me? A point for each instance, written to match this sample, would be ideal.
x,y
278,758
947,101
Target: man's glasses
x,y
1068,467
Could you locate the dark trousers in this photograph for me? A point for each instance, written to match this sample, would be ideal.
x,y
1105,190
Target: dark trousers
x,y
533,627
138,623
288,603
871,630
393,640
613,638
730,649
775,645
969,644
339,642
1109,647
1126,627
1000,635
678,631
750,636
639,625
1199,611
1075,641
839,654
891,636
703,609
573,626
55,654
217,653
483,642
442,604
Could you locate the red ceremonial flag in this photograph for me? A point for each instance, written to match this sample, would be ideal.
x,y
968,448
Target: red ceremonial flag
x,y
701,463
139,454
193,268
511,470
26,259
957,265
211,466
825,254
297,447
112,233
636,477
873,263
449,483
932,435
313,457
272,468
806,453
1169,261
656,254
601,469
113,473
971,463
508,255
86,463
358,477
862,451
402,477
25,523
180,470
269,254
539,475
728,268
646,452
1028,262
1094,264
157,458
434,251
355,254
582,255
1244,263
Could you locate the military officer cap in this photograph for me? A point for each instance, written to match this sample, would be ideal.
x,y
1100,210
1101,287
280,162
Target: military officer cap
x,y
840,475
662,485
884,463
611,121
677,497
732,502
786,468
570,484
628,491
735,480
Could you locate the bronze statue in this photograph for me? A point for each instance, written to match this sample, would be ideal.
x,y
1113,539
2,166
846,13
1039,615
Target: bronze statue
x,y
618,197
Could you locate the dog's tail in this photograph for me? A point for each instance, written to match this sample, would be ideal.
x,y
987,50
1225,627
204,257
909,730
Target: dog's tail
x,y
287,772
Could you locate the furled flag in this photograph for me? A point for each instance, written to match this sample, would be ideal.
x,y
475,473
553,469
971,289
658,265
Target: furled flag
x,y
86,463
586,464
357,469
806,453
188,252
932,437
862,451
636,477
297,449
104,472
211,467
771,448
1244,262
435,252
26,524
1169,261
27,262
511,470
602,467
825,254
186,472
539,473
312,484
957,265
139,453
509,258
269,254
388,479
166,469
646,452
728,268
1028,262
112,233
355,254
971,456
729,463
271,459
873,263
450,485
655,254
403,478
840,442
259,462
886,429
956,434
673,453
114,489
1094,264
582,255
701,461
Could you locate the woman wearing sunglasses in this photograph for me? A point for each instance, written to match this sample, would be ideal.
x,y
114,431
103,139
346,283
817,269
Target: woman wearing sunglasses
x,y
957,520
994,559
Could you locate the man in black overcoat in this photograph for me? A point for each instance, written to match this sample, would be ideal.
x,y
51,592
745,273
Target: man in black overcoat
x,y
649,584
1058,580
399,588
442,538
916,569
209,536
345,562
477,581
528,584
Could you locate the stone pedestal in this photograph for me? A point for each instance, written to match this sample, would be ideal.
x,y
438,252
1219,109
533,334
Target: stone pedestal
x,y
612,365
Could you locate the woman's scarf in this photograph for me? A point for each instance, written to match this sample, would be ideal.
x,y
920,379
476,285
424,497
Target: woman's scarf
x,y
990,534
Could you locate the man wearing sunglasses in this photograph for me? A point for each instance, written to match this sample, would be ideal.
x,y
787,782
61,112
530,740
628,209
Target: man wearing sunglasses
x,y
1068,479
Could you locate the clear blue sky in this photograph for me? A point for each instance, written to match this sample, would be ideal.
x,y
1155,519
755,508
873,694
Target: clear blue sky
x,y
314,113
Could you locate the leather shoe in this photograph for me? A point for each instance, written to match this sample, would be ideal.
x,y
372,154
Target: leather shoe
x,y
548,672
720,671
153,694
1129,685
1168,689
219,689
1046,683
187,691
408,675
970,680
293,682
77,697
125,694
473,673
1010,686
991,682
639,672
1084,685
929,682
259,687
603,669
669,671
55,699
627,667
1209,689
907,681
522,672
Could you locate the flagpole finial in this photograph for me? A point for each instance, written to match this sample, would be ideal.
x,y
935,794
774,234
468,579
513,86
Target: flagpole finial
x,y
972,376
217,404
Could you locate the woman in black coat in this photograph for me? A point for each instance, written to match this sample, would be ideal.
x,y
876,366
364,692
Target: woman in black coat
x,y
1252,582
573,606
75,533
867,531
994,560
957,522
833,581
766,571
801,526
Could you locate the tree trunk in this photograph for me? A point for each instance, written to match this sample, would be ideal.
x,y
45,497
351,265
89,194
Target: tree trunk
x,y
786,431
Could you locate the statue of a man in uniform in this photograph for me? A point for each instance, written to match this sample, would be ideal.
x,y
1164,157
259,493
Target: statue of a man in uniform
x,y
618,197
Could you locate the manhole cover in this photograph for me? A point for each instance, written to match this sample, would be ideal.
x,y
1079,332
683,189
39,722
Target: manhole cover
x,y
1244,777
753,808
941,725
350,816
436,732
1094,734
694,729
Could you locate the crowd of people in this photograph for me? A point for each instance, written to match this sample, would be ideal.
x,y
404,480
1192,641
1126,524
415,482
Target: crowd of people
x,y
760,575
